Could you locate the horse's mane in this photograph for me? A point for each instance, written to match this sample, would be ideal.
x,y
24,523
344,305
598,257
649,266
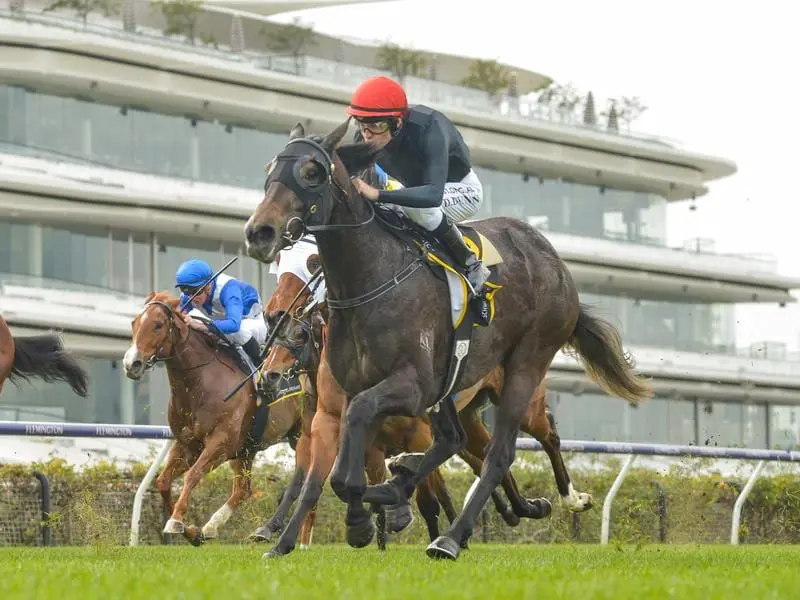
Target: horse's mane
x,y
357,156
211,339
165,297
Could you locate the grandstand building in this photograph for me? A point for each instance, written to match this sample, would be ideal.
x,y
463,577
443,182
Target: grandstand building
x,y
124,151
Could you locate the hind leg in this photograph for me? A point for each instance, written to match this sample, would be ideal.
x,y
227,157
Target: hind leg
x,y
375,460
240,491
524,372
428,505
212,455
539,423
307,529
477,440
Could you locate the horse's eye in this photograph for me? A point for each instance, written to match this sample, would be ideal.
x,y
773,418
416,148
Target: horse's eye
x,y
312,173
158,327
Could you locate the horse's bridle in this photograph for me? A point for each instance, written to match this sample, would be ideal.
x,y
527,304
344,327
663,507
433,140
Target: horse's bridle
x,y
302,352
151,362
317,198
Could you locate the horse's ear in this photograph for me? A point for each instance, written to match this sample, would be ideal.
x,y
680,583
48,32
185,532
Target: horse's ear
x,y
356,157
334,137
150,296
313,263
297,131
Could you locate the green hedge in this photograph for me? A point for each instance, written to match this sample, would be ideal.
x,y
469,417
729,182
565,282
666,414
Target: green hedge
x,y
93,505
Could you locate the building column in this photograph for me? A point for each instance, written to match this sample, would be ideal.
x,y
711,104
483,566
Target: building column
x,y
194,153
86,137
126,399
35,250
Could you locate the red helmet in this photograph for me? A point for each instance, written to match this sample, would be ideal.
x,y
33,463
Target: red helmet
x,y
378,97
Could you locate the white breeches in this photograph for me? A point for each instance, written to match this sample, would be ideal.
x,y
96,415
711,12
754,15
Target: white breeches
x,y
462,199
253,325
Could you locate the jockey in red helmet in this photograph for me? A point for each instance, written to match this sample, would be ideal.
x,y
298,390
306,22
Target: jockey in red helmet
x,y
423,150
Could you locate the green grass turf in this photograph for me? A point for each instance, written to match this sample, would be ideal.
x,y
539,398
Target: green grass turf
x,y
486,571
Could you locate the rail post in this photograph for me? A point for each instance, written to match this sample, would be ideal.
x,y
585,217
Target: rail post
x,y
606,518
737,508
138,499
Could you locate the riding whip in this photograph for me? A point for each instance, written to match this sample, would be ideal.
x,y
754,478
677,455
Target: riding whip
x,y
212,278
274,333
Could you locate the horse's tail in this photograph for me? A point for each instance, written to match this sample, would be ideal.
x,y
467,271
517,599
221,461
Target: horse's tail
x,y
43,356
599,346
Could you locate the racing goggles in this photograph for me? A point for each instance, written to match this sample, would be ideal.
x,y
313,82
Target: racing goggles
x,y
374,127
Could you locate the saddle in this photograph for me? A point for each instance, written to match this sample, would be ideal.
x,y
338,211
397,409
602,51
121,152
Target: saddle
x,y
467,312
438,257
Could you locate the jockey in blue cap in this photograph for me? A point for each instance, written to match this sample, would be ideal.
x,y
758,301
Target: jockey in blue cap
x,y
233,305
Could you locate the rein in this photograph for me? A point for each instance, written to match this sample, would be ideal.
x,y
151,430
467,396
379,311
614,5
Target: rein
x,y
151,362
274,333
302,352
318,201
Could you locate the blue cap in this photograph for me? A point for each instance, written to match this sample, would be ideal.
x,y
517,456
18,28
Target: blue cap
x,y
193,273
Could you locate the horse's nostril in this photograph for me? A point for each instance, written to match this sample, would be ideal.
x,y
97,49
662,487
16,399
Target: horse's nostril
x,y
137,364
261,234
273,377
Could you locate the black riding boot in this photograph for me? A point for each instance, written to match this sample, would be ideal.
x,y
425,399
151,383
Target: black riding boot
x,y
253,350
476,271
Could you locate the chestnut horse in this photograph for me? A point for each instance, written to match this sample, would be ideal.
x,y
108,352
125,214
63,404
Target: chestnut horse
x,y
383,299
201,368
397,434
41,356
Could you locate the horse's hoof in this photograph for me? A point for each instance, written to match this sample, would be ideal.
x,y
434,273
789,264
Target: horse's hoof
x,y
360,535
398,517
407,461
209,532
510,518
263,534
443,547
276,552
173,527
540,508
465,545
579,501
195,537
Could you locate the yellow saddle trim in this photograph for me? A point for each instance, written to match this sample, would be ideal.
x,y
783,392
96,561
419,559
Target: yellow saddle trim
x,y
493,289
488,253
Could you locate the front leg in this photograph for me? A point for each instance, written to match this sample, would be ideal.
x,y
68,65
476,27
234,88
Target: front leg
x,y
398,394
409,470
275,524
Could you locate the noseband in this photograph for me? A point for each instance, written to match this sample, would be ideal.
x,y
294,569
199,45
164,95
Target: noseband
x,y
151,362
302,352
317,198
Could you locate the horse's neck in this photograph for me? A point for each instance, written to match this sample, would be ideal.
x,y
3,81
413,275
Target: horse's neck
x,y
356,260
184,369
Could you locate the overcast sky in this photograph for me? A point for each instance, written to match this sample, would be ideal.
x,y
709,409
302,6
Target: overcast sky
x,y
717,75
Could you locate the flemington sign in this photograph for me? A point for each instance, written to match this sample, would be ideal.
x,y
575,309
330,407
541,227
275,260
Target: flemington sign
x,y
85,430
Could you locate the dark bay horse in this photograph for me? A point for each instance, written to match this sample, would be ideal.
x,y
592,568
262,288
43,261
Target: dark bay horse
x,y
397,434
208,432
41,356
315,456
387,307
